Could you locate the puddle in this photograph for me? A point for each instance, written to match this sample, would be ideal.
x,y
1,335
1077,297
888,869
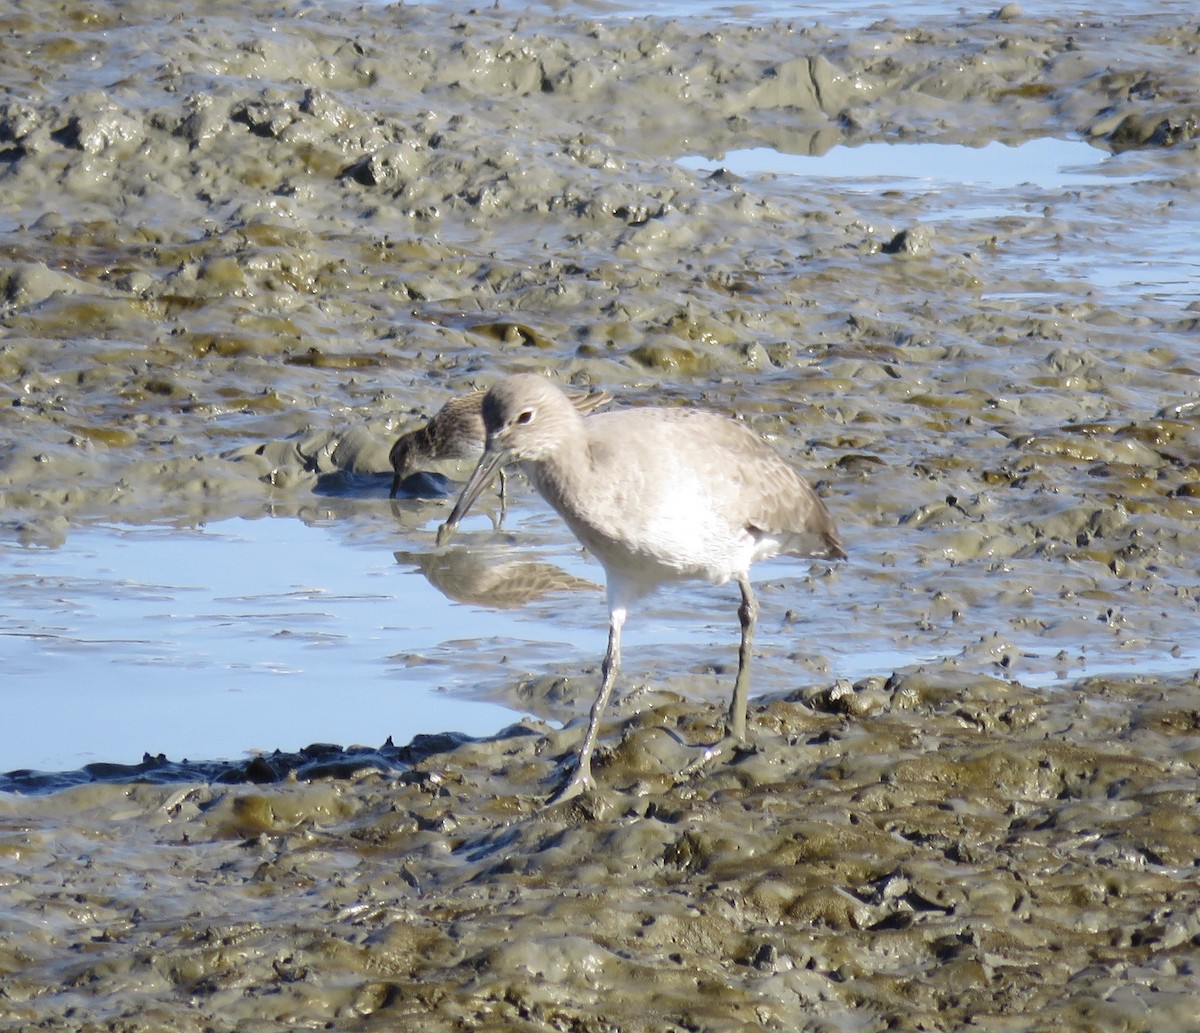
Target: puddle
x,y
212,643
1066,192
1046,163
246,636
841,13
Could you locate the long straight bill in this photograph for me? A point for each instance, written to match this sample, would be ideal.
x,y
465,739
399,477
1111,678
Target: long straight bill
x,y
480,478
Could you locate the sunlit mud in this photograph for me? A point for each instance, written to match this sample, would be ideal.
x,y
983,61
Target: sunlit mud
x,y
242,249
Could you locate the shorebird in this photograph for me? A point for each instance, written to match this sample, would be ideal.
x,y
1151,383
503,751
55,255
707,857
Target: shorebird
x,y
656,495
456,431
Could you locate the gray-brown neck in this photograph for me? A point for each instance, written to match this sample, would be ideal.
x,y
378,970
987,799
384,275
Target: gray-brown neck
x,y
564,468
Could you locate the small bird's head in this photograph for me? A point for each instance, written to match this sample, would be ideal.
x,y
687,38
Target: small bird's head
x,y
402,459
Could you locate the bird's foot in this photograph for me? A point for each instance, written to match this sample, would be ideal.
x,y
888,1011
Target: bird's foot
x,y
731,747
708,755
576,785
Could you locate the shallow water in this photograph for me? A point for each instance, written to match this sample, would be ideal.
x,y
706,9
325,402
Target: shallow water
x,y
850,13
1046,163
213,642
246,636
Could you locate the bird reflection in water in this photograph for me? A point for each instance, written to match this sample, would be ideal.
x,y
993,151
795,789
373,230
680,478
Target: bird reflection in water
x,y
472,576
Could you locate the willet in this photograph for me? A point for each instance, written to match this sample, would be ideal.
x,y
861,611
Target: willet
x,y
456,431
656,495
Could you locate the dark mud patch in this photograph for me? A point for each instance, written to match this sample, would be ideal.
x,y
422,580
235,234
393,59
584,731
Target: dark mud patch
x,y
316,761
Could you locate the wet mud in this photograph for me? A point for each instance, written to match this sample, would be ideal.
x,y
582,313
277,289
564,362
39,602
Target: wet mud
x,y
242,250
921,852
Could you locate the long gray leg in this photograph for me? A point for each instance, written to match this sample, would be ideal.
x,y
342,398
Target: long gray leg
x,y
582,778
735,719
735,723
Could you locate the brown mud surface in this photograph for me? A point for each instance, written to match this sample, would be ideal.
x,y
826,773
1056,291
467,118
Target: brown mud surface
x,y
922,853
242,249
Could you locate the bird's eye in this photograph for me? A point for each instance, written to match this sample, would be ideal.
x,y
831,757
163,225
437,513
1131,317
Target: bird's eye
x,y
525,417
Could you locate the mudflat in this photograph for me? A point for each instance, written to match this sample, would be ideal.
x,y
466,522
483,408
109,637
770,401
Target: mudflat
x,y
915,853
243,248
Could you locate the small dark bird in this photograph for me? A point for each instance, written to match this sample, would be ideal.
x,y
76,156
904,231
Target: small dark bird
x,y
457,432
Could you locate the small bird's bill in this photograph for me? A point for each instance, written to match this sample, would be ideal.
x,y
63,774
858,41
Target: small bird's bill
x,y
480,478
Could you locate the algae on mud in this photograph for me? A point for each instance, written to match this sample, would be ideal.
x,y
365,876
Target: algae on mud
x,y
240,250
